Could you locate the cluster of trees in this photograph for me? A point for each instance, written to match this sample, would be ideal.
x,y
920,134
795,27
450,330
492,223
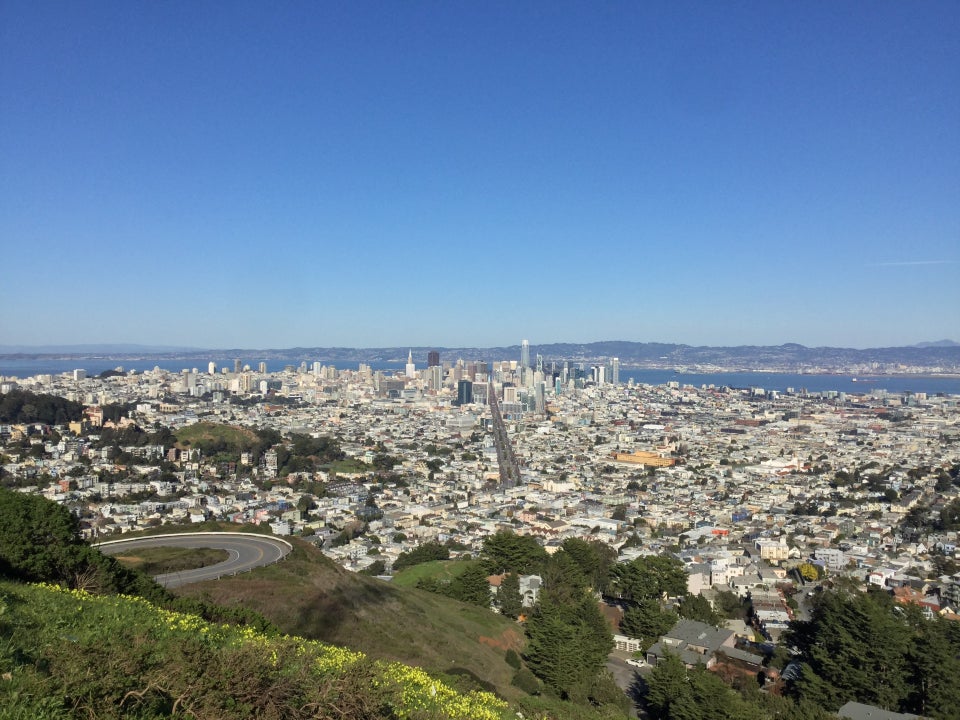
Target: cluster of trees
x,y
470,585
865,647
23,406
40,541
304,453
568,637
422,553
643,585
133,435
945,519
675,693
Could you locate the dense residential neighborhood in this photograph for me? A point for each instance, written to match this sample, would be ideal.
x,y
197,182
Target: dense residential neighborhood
x,y
763,496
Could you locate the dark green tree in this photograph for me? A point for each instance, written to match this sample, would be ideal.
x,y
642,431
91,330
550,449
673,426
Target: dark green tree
x,y
472,586
508,596
596,560
508,552
935,669
729,605
563,580
650,576
854,647
647,621
697,607
668,689
568,645
424,553
379,567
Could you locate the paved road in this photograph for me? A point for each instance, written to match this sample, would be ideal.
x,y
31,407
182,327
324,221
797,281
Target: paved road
x,y
247,551
626,677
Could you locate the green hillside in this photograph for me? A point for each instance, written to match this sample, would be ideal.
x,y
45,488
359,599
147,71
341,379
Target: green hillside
x,y
215,435
441,570
310,596
69,654
66,652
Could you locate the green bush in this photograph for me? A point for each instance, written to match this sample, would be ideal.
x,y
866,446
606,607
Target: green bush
x,y
527,681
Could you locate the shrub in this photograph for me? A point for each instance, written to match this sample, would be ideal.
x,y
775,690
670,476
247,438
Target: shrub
x,y
526,681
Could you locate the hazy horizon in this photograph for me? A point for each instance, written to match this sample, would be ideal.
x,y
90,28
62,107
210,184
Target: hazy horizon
x,y
134,348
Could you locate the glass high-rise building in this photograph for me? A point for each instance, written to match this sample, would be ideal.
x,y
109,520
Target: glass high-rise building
x,y
464,392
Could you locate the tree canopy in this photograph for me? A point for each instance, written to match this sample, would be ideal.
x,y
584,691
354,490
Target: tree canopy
x,y
650,576
23,406
864,647
508,552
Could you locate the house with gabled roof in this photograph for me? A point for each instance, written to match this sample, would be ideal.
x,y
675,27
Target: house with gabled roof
x,y
693,642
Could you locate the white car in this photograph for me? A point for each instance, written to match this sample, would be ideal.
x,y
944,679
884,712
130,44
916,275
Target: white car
x,y
636,663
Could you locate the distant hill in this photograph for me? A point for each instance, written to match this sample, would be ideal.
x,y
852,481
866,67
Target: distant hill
x,y
938,344
664,355
94,349
944,354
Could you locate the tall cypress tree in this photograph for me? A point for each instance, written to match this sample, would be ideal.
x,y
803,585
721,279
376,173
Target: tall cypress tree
x,y
508,596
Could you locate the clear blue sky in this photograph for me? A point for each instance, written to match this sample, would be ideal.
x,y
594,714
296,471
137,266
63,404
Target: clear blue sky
x,y
448,173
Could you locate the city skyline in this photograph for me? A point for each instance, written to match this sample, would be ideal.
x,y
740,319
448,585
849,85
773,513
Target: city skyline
x,y
751,174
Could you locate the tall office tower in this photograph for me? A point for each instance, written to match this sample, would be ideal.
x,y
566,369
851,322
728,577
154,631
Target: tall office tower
x,y
435,377
540,397
317,368
237,366
464,392
525,353
615,373
539,362
433,359
212,367
411,368
262,368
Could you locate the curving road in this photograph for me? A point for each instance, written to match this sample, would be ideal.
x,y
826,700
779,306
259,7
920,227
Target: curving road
x,y
247,551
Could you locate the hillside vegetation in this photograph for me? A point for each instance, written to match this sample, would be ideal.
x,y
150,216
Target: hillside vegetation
x,y
69,654
309,595
73,646
216,437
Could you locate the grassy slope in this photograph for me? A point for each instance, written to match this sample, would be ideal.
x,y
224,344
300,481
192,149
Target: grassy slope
x,y
160,560
71,655
230,434
443,570
310,596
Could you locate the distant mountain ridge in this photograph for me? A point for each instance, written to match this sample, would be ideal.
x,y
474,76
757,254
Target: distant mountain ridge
x,y
98,349
943,355
937,343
